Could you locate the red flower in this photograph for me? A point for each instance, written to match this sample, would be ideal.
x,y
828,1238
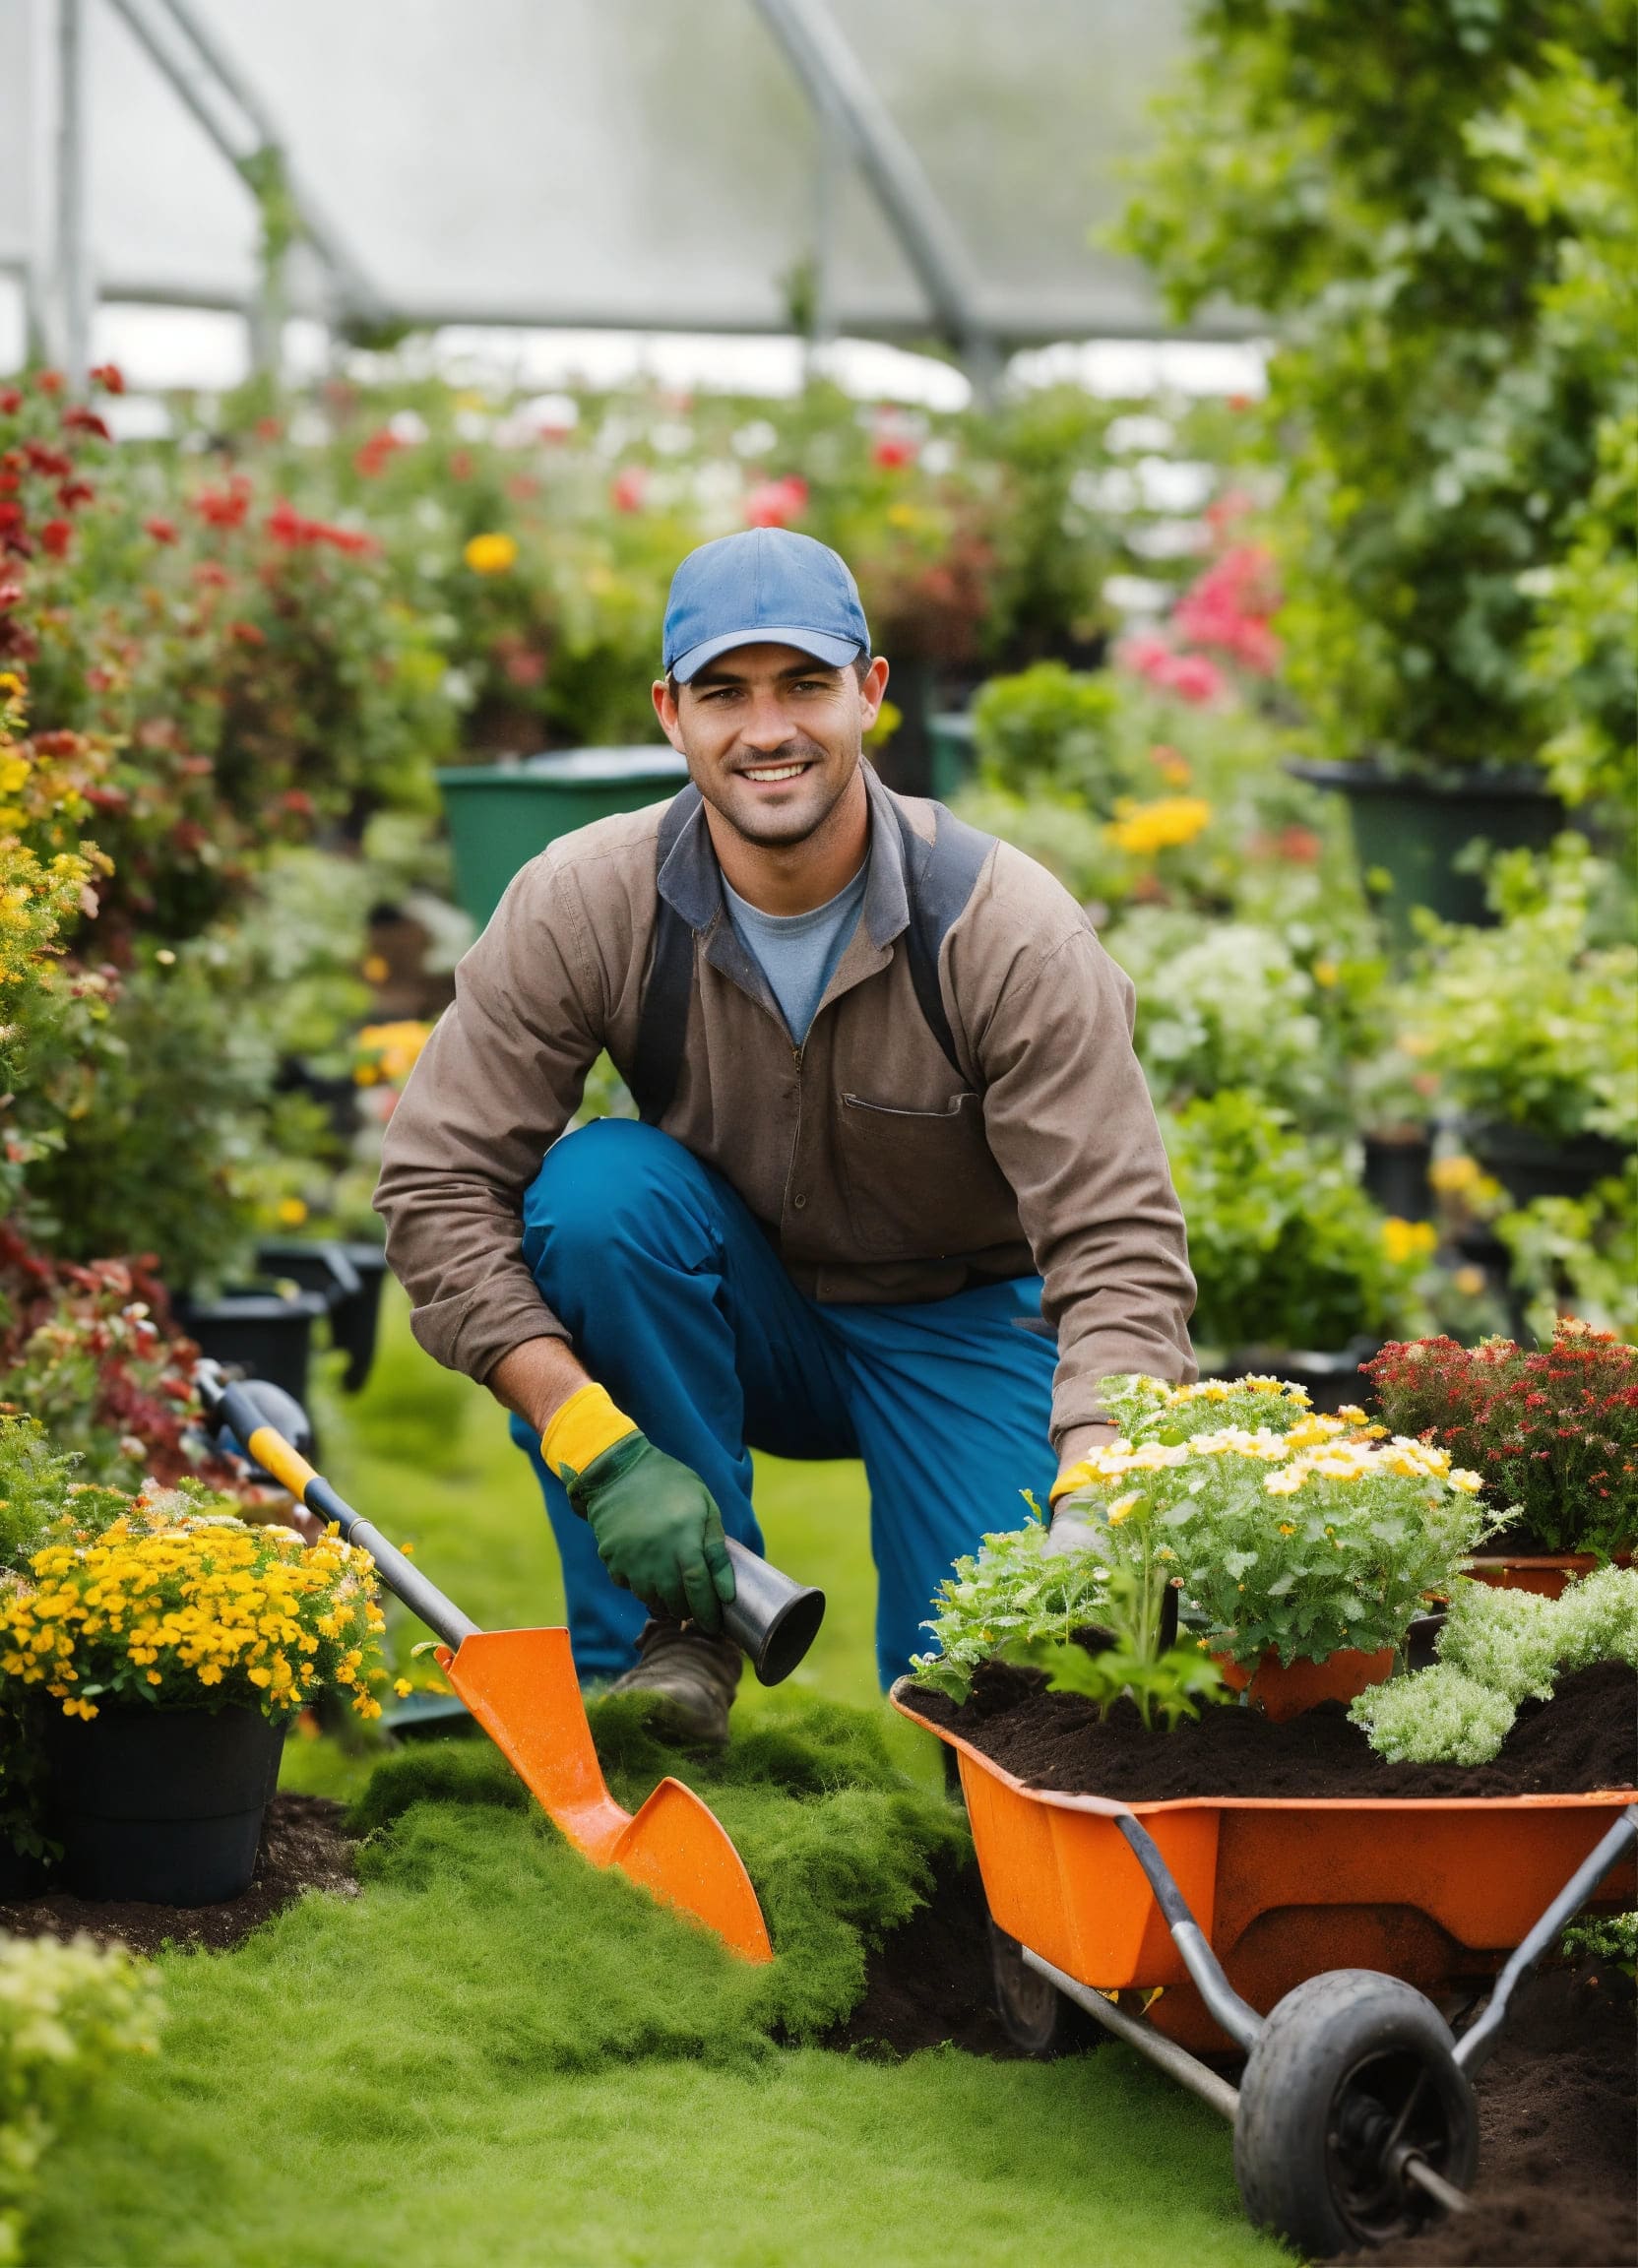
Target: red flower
x,y
163,531
459,464
79,420
371,459
51,464
776,503
56,536
892,450
109,376
74,492
268,429
629,488
224,507
246,634
11,402
48,381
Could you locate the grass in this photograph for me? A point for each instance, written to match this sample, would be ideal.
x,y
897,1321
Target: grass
x,y
498,2053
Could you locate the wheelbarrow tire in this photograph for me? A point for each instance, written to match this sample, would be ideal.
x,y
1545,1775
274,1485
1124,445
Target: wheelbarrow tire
x,y
1349,2066
1036,2016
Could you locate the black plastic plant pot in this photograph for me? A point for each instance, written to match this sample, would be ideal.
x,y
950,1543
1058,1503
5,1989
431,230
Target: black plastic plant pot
x,y
349,1275
1529,1165
1416,830
1395,1173
1332,1378
163,1805
266,1334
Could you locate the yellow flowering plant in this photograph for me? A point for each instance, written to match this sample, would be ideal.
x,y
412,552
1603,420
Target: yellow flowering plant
x,y
169,1605
1281,1529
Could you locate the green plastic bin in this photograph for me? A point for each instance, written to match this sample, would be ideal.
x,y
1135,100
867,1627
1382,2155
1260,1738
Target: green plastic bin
x,y
502,815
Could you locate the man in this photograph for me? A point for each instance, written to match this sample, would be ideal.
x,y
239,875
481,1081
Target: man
x,y
896,1193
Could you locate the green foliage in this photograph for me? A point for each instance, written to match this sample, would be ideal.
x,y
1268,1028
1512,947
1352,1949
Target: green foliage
x,y
1168,1686
1434,207
1224,1004
1286,1250
1049,732
1577,1254
1531,1022
1610,1939
1304,1540
1152,1409
1438,1716
1012,1592
1498,1647
36,1477
67,2014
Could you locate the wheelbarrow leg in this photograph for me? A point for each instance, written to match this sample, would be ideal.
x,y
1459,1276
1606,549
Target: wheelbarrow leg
x,y
1473,2048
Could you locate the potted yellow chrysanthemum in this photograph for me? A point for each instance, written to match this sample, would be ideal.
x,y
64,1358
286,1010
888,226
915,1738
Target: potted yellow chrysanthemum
x,y
172,1647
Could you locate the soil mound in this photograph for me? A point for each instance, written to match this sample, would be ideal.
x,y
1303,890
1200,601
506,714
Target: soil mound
x,y
928,1980
303,1848
1586,1737
1558,2131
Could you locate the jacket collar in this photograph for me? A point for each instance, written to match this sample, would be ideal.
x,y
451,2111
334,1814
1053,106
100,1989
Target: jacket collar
x,y
691,881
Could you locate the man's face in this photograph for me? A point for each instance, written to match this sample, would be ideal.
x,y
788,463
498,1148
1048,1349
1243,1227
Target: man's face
x,y
771,736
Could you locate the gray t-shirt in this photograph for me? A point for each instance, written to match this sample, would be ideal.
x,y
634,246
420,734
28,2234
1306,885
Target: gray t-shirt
x,y
798,953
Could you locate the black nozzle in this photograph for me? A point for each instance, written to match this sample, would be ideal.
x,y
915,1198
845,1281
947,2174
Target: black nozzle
x,y
772,1620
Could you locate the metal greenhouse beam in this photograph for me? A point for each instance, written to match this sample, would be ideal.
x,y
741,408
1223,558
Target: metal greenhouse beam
x,y
232,115
841,89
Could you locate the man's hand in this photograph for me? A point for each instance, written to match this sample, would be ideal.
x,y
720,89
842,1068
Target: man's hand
x,y
657,1530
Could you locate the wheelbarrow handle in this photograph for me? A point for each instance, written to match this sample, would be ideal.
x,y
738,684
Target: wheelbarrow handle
x,y
229,1405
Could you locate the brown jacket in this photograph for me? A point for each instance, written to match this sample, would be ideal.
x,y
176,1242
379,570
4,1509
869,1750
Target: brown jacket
x,y
879,1174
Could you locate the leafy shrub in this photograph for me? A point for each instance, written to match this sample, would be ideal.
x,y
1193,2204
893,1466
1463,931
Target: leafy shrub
x,y
1531,1022
170,1606
1286,1250
1498,1647
1439,224
1574,1254
1305,1541
1050,732
92,1352
1439,1716
1224,1004
1552,1431
66,2013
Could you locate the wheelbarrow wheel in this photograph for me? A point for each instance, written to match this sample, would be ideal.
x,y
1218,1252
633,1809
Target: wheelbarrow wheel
x,y
1034,2015
1350,2079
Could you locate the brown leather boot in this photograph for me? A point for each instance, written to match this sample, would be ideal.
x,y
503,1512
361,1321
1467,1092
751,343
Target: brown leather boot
x,y
695,1677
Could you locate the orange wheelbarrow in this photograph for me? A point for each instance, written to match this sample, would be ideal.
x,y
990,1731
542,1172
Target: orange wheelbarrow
x,y
1307,1936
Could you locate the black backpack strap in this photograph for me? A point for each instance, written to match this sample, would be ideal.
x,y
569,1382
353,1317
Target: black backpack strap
x,y
669,987
940,877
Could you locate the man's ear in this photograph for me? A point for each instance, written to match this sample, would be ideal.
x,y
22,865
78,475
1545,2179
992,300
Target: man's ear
x,y
665,709
872,692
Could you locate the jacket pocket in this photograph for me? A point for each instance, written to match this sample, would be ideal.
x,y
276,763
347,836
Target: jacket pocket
x,y
921,1184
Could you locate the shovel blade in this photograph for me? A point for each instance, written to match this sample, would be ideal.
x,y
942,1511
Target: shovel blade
x,y
521,1686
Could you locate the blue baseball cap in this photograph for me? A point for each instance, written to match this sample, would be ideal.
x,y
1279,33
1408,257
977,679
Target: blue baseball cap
x,y
766,584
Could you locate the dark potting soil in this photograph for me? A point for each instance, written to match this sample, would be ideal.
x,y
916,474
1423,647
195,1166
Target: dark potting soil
x,y
303,1848
929,1981
1586,1737
1557,2137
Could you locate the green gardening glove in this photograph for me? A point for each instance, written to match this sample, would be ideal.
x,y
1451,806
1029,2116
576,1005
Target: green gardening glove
x,y
657,1530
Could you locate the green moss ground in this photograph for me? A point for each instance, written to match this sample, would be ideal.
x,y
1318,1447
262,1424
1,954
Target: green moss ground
x,y
496,2054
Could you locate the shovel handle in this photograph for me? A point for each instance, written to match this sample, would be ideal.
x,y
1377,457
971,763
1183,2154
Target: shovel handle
x,y
230,1407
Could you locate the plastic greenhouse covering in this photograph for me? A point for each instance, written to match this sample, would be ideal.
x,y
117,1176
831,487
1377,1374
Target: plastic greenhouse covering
x,y
625,162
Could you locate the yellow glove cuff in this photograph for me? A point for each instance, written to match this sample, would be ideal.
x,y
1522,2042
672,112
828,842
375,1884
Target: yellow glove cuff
x,y
1072,1477
585,1426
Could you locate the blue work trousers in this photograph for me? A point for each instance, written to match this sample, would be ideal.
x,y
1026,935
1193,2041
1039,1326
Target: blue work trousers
x,y
679,1305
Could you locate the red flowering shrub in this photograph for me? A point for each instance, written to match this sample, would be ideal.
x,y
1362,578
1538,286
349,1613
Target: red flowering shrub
x,y
93,1353
1554,1431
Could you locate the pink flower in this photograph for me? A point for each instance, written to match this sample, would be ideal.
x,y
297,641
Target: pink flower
x,y
1229,605
629,490
776,503
1193,678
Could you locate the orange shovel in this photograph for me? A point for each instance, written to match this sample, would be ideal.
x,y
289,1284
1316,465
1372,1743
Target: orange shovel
x,y
521,1686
